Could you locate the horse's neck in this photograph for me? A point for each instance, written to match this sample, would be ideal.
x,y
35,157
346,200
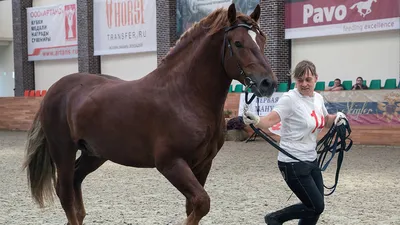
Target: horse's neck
x,y
198,71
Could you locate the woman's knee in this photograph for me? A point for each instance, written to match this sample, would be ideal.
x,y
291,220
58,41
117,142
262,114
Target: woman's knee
x,y
319,208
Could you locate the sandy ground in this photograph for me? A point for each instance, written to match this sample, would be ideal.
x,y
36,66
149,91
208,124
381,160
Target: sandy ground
x,y
244,184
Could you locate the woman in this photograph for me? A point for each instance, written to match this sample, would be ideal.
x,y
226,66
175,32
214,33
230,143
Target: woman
x,y
303,115
359,85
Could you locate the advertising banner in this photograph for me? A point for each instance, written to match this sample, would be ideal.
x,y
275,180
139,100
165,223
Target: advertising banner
x,y
362,107
52,32
366,107
191,11
124,26
311,18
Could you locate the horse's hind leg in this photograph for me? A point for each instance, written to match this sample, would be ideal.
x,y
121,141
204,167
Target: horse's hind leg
x,y
63,153
84,165
181,176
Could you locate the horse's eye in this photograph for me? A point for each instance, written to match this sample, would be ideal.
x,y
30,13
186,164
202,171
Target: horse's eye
x,y
238,44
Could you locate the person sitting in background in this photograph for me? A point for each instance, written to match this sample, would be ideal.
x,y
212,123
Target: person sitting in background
x,y
337,86
359,84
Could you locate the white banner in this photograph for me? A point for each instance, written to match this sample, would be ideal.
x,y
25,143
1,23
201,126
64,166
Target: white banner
x,y
52,32
124,26
261,106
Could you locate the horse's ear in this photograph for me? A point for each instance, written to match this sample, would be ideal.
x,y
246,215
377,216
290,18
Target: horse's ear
x,y
255,15
232,13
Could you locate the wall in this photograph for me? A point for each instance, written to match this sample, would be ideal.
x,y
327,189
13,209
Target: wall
x,y
49,71
372,55
6,50
129,66
6,71
6,19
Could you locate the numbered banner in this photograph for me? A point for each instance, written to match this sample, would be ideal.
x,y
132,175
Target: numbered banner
x,y
124,26
52,32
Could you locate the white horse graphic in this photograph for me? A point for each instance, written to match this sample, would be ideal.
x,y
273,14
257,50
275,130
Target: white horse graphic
x,y
364,5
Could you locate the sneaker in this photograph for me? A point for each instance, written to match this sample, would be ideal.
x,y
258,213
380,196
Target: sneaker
x,y
271,220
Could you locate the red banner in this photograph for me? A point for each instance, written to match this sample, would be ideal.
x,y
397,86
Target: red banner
x,y
310,18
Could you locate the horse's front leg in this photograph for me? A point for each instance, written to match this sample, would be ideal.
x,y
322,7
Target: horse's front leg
x,y
201,176
178,172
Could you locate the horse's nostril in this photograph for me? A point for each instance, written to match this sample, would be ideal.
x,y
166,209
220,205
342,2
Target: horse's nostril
x,y
265,83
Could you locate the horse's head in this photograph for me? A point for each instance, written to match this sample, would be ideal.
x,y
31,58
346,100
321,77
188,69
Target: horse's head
x,y
243,53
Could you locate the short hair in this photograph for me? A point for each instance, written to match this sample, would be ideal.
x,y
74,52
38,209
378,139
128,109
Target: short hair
x,y
304,66
339,80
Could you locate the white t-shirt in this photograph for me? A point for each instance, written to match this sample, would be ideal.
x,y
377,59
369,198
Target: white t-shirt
x,y
302,118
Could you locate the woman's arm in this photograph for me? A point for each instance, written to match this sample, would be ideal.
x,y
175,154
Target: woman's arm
x,y
282,109
268,121
261,122
329,119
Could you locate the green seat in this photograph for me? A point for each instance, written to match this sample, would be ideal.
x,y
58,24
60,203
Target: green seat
x,y
282,87
375,84
364,82
238,88
292,85
390,84
347,84
231,88
320,86
331,83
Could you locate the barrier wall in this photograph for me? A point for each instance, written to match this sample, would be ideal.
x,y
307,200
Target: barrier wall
x,y
374,115
17,113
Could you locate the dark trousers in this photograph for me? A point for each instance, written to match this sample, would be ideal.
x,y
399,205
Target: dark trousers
x,y
305,180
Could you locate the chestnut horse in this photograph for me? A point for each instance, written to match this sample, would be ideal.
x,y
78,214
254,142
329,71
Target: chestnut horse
x,y
171,119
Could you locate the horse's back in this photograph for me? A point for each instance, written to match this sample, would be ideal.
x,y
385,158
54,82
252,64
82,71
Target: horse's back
x,y
72,90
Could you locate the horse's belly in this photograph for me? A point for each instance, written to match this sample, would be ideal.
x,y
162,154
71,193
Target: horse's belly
x,y
134,156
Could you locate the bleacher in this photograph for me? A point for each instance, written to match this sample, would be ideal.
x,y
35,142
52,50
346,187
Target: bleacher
x,y
375,84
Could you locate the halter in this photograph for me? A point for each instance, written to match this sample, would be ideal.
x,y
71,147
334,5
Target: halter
x,y
248,82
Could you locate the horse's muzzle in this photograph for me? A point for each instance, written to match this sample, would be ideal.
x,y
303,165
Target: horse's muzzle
x,y
264,88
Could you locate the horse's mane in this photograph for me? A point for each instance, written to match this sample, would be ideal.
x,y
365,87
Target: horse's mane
x,y
212,24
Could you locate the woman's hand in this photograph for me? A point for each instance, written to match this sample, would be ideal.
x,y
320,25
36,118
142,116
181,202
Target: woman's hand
x,y
250,118
340,119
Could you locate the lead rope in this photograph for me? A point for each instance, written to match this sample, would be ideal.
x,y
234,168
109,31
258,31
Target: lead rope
x,y
336,134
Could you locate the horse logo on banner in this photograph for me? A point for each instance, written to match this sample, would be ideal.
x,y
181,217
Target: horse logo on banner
x,y
363,5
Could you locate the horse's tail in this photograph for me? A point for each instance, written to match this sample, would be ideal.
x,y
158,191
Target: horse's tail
x,y
39,165
352,7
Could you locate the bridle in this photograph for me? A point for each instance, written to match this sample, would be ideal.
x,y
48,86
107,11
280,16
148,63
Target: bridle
x,y
248,82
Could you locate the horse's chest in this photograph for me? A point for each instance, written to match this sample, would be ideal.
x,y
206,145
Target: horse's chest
x,y
207,147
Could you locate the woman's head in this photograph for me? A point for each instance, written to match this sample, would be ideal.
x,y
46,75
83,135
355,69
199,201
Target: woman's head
x,y
305,75
359,80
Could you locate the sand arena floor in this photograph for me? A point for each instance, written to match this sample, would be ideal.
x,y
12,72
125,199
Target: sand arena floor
x,y
244,184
